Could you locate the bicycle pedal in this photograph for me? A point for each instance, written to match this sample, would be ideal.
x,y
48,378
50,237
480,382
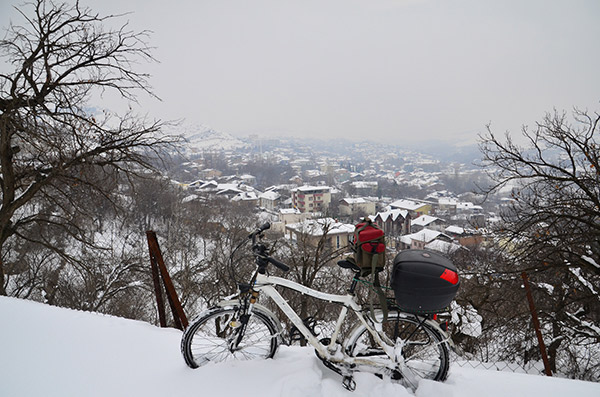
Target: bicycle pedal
x,y
349,383
234,324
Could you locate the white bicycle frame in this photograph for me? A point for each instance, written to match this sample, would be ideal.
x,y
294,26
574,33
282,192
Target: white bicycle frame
x,y
266,284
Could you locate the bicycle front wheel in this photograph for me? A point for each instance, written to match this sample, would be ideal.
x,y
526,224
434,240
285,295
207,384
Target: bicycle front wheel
x,y
219,335
424,349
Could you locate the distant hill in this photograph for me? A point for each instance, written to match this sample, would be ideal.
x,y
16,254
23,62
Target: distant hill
x,y
200,138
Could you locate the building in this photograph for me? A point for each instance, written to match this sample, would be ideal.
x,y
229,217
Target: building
x,y
447,205
352,206
312,231
291,215
427,221
365,187
246,197
415,209
444,247
311,198
422,238
393,222
466,238
269,200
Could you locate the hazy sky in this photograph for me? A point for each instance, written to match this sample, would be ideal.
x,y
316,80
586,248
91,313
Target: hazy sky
x,y
397,70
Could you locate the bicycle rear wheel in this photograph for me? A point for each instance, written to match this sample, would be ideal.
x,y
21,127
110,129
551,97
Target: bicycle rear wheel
x,y
219,335
425,350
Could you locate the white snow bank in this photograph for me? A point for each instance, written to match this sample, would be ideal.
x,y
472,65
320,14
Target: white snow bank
x,y
49,351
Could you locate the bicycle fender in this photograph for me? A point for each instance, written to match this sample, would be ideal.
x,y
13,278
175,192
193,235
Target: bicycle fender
x,y
435,325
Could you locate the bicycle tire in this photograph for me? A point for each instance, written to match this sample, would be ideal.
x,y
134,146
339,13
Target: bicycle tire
x,y
208,338
425,350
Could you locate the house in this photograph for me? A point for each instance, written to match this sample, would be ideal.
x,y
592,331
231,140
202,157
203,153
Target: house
x,y
455,231
207,187
364,187
420,239
356,206
194,185
444,247
291,215
311,231
269,200
229,190
210,173
393,222
248,179
426,221
466,238
246,197
311,198
447,205
415,209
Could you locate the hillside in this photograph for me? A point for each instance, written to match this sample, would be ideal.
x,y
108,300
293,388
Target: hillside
x,y
200,138
50,351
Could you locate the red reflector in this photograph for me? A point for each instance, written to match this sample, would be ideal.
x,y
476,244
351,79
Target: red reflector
x,y
450,276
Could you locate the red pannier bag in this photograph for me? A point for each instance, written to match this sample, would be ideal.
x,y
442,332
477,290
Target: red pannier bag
x,y
369,247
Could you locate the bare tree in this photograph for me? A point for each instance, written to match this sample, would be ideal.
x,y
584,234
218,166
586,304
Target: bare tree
x,y
552,226
311,256
556,189
54,148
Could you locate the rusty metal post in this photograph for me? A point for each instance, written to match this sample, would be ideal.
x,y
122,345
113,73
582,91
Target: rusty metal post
x,y
536,324
178,315
160,303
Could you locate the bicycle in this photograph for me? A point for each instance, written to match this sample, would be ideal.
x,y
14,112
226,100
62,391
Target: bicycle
x,y
401,346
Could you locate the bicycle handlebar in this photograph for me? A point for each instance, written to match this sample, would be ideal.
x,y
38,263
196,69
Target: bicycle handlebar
x,y
280,265
258,231
260,250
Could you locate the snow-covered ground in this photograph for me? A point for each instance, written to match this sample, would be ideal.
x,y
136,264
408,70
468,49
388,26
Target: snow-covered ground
x,y
49,351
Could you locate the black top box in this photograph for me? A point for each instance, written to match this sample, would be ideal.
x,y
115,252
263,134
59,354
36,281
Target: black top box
x,y
424,281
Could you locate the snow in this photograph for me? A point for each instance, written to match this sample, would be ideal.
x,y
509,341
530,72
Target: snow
x,y
424,220
591,261
50,351
202,138
582,280
317,227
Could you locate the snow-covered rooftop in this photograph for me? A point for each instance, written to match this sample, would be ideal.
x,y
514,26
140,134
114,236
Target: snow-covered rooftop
x,y
424,220
426,235
270,195
394,214
312,188
406,205
317,227
443,246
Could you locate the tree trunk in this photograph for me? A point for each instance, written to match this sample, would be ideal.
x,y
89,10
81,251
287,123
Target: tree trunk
x,y
2,289
2,278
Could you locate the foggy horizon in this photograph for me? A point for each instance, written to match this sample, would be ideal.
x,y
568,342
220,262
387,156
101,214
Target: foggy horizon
x,y
391,70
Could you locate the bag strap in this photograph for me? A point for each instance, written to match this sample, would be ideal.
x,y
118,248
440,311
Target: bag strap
x,y
377,287
375,276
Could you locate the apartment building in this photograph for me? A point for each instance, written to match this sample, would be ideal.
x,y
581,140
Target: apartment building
x,y
311,198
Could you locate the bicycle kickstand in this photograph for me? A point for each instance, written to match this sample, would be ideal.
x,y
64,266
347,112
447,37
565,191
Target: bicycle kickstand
x,y
349,383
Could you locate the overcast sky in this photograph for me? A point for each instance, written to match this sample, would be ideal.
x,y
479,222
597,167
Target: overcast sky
x,y
398,70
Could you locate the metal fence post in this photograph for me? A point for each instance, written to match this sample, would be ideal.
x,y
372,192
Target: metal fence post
x,y
159,269
536,324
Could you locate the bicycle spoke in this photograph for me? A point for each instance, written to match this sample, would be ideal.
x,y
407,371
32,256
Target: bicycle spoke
x,y
425,355
210,338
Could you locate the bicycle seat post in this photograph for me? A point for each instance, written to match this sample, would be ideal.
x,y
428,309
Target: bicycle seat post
x,y
354,283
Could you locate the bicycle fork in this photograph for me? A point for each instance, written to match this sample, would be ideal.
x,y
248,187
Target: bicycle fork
x,y
239,325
